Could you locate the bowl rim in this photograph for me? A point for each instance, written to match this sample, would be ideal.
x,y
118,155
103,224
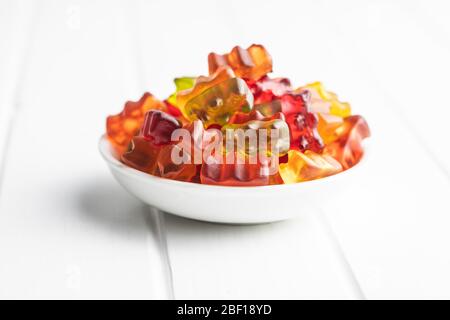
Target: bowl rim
x,y
105,149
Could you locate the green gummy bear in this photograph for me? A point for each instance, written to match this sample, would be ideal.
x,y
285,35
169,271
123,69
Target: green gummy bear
x,y
181,84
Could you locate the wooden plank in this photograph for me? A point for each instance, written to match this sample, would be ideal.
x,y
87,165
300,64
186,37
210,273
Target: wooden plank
x,y
293,259
67,230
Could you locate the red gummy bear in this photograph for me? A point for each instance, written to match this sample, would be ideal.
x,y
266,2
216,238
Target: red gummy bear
x,y
304,135
145,148
142,155
265,89
242,117
302,123
158,127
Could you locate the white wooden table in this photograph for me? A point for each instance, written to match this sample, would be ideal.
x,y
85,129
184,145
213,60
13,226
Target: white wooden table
x,y
67,230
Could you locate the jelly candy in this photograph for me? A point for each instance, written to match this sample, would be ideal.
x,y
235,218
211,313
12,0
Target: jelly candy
x,y
304,135
158,127
265,89
181,84
194,139
269,108
327,127
183,158
142,155
122,127
153,150
308,166
276,179
167,168
287,103
242,117
145,156
347,148
302,123
202,84
217,104
248,138
173,111
232,173
253,63
145,148
239,127
323,101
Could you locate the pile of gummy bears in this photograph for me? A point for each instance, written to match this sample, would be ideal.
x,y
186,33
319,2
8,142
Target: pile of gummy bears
x,y
321,137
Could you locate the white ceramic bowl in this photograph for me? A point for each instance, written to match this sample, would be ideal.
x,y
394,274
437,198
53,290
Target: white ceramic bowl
x,y
237,205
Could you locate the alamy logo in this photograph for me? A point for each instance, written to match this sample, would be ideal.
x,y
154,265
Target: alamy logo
x,y
233,146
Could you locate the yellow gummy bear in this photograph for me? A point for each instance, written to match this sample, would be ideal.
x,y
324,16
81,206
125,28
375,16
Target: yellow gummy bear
x,y
279,142
202,84
323,101
217,104
307,166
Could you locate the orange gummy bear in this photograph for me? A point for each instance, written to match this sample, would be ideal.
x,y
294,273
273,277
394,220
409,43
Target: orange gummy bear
x,y
234,173
142,156
308,166
327,126
121,128
252,63
170,170
347,148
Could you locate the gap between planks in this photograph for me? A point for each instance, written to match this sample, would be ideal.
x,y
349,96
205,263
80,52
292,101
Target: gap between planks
x,y
13,105
156,222
336,248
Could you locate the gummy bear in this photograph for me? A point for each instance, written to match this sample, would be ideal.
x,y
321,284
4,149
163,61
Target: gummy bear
x,y
182,160
145,148
302,123
265,89
323,101
181,84
252,64
327,127
242,117
308,166
217,104
167,168
202,84
287,103
142,155
347,148
229,172
122,127
158,127
187,136
173,111
304,135
248,136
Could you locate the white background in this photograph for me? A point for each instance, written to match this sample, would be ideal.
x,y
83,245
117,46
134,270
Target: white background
x,y
67,230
